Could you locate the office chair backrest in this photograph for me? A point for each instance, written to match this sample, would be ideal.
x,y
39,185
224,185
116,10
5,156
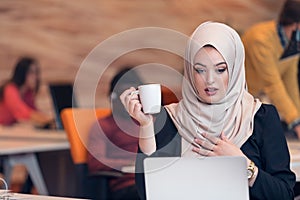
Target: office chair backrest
x,y
77,123
168,96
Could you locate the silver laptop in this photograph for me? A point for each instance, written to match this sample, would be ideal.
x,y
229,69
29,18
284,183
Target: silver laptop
x,y
209,178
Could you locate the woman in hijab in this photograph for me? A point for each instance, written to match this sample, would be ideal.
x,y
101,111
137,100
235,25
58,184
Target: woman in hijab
x,y
217,116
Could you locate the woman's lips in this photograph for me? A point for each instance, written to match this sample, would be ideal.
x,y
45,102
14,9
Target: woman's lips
x,y
211,91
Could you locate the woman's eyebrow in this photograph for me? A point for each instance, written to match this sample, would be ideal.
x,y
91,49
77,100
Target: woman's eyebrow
x,y
200,64
221,63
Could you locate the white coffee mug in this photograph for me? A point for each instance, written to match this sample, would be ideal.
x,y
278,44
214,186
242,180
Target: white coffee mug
x,y
150,97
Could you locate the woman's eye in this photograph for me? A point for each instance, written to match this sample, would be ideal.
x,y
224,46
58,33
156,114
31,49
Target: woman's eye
x,y
221,70
199,71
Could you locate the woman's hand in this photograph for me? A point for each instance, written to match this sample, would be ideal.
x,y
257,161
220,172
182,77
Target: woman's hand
x,y
132,104
216,146
219,146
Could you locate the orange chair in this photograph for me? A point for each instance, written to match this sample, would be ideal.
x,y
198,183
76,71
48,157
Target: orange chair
x,y
77,123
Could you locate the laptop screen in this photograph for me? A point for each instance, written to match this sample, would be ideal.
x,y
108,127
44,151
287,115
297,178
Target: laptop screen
x,y
63,96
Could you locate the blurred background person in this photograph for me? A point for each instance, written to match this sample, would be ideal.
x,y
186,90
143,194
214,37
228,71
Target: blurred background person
x,y
17,101
116,145
18,95
272,63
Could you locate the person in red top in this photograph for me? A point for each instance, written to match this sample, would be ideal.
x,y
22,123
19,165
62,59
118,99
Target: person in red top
x,y
17,101
17,95
113,140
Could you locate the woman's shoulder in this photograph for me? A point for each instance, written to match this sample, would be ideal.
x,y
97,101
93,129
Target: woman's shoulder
x,y
101,125
267,109
267,114
106,122
260,32
10,88
10,85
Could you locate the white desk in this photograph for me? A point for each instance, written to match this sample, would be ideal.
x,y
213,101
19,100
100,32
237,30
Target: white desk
x,y
23,131
18,196
294,148
18,145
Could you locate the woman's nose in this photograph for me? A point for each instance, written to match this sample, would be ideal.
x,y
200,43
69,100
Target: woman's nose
x,y
209,78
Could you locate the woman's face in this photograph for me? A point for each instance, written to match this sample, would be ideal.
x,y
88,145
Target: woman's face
x,y
210,75
32,76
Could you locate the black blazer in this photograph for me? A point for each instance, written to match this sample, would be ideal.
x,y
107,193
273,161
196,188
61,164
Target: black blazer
x,y
266,147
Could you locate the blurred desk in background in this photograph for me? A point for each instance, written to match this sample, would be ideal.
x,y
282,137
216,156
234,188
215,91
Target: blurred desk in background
x,y
17,196
294,148
23,144
28,132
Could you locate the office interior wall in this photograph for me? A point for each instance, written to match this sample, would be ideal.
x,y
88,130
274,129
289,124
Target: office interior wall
x,y
60,34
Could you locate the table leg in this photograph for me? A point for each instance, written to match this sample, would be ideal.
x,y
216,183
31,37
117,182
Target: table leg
x,y
7,170
32,166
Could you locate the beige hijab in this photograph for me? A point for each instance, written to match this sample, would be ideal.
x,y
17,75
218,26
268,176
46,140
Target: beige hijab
x,y
234,114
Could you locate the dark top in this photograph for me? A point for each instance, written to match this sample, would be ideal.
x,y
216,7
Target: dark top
x,y
266,147
112,145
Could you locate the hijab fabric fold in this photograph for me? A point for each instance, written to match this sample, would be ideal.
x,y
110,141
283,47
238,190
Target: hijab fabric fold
x,y
234,114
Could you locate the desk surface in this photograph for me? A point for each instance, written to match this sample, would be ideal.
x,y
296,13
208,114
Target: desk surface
x,y
294,148
18,196
9,147
29,132
19,145
25,139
